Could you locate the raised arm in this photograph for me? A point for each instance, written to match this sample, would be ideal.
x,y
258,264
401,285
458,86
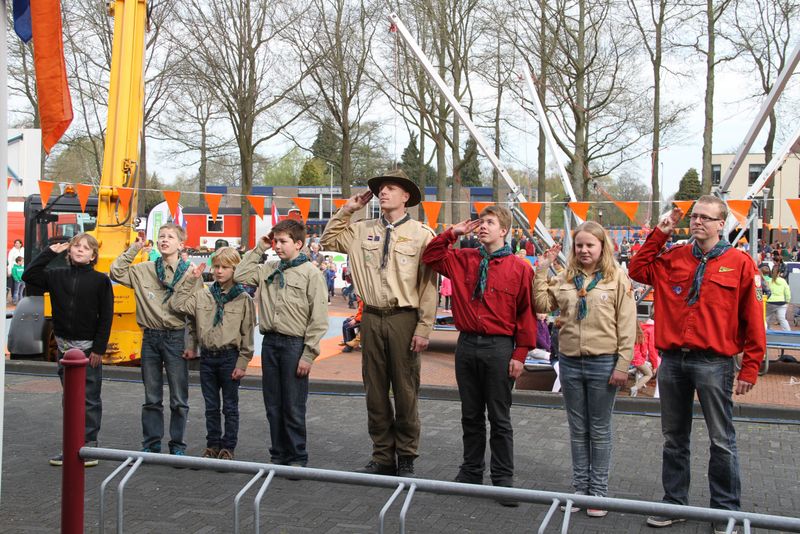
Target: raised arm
x,y
247,272
184,300
339,233
120,270
643,267
35,273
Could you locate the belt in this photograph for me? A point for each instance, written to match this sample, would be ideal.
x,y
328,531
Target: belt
x,y
386,312
218,352
682,351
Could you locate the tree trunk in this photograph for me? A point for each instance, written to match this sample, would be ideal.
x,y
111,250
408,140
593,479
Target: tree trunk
x,y
347,156
497,117
422,177
202,171
708,127
655,185
247,183
541,149
455,150
579,111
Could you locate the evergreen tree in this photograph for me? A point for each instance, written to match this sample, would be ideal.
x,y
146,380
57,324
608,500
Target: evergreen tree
x,y
689,188
313,173
471,169
327,146
410,161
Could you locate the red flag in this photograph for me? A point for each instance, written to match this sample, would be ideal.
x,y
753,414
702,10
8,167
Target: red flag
x,y
55,104
275,217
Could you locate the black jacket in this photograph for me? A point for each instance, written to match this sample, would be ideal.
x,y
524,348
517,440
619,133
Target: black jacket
x,y
82,299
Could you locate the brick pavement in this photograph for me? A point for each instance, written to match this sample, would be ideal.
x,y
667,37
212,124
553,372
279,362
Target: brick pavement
x,y
165,500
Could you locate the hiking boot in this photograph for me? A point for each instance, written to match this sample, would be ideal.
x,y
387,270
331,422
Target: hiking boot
x,y
660,521
374,468
225,454
211,452
405,466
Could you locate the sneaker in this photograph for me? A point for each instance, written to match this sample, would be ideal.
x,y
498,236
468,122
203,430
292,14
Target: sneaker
x,y
347,349
508,503
225,454
211,452
405,466
178,452
90,462
660,521
722,528
374,468
153,448
294,464
573,509
57,460
634,391
596,512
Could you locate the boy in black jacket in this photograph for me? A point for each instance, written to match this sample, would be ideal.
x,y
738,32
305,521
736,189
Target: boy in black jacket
x,y
83,308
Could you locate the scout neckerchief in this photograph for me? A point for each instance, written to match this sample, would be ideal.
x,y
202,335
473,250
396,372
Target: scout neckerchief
x,y
583,308
483,268
718,250
389,227
299,260
223,298
180,270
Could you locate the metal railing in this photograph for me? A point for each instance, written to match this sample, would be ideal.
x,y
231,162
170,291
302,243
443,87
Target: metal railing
x,y
267,472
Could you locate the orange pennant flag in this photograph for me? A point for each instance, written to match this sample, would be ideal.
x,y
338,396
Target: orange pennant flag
x,y
480,206
124,195
794,204
339,202
739,209
432,209
9,183
581,209
304,204
683,205
258,204
531,210
212,199
628,208
172,198
45,188
83,190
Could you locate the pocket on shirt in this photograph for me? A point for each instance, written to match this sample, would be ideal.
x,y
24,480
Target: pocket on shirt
x,y
679,282
406,257
295,295
724,289
372,252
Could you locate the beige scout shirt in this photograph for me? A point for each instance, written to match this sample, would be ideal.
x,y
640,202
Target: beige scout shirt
x,y
405,282
298,309
235,330
610,324
151,310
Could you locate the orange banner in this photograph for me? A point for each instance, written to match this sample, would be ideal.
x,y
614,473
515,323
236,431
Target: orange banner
x,y
479,206
683,205
304,204
794,205
212,199
739,209
83,190
45,188
172,198
581,209
258,204
432,209
339,202
124,195
628,208
531,210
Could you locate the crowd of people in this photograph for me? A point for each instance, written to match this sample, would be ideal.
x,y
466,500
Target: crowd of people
x,y
707,310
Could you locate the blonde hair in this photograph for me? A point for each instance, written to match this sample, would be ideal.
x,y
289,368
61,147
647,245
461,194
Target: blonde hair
x,y
91,241
226,256
605,264
179,231
718,202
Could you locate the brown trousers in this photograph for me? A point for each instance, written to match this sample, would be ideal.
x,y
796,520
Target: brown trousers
x,y
388,365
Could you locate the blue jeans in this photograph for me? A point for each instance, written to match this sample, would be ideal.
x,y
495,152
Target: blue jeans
x,y
19,289
163,350
711,376
589,400
216,368
94,404
285,397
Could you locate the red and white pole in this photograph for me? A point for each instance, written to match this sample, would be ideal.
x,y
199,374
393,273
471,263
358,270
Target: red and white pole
x,y
72,482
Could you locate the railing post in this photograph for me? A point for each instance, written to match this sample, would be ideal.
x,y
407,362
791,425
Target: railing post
x,y
72,482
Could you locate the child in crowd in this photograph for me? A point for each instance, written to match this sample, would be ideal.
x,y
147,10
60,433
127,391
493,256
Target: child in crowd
x,y
645,356
83,308
446,291
16,275
330,278
351,337
542,332
164,344
224,316
293,316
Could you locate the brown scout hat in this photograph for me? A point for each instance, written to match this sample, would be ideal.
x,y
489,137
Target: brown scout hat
x,y
398,177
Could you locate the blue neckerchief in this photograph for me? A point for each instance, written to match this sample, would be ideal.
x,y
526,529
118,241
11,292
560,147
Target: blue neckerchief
x,y
483,268
583,308
299,260
718,250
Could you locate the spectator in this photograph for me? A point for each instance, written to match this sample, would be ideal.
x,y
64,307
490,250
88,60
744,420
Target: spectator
x,y
645,356
16,275
350,337
778,300
13,253
446,291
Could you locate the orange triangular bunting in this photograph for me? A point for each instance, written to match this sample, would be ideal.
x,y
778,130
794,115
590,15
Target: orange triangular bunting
x,y
258,204
628,208
581,209
794,205
531,210
212,199
480,206
432,209
339,202
83,190
683,205
9,183
45,188
739,209
304,204
172,198
124,195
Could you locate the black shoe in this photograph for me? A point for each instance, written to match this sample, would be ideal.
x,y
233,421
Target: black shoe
x,y
374,468
405,466
510,503
347,349
465,479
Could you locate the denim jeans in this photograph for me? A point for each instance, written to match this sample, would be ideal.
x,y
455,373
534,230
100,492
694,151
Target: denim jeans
x,y
680,375
285,397
589,400
19,289
216,368
485,387
94,404
348,332
163,350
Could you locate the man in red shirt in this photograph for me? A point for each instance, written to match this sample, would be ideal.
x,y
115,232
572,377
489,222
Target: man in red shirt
x,y
493,311
707,309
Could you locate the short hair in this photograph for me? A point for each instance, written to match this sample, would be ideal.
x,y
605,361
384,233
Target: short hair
x,y
91,241
502,213
179,231
226,256
711,199
18,241
295,229
19,259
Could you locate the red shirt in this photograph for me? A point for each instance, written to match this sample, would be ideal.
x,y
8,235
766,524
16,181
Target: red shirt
x,y
728,317
506,308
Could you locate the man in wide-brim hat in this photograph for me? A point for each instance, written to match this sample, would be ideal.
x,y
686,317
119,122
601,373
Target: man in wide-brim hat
x,y
399,294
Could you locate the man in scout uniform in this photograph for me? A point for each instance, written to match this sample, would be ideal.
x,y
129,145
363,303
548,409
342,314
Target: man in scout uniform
x,y
399,294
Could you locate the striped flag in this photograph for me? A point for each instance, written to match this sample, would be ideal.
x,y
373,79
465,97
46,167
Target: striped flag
x,y
275,217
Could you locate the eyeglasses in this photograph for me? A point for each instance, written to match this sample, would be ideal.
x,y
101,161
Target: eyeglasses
x,y
703,218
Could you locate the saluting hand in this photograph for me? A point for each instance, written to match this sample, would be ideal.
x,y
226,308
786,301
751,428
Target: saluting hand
x,y
266,240
357,201
549,256
139,243
197,270
668,223
465,227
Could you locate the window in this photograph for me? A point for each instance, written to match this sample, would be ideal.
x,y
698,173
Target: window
x,y
214,227
754,172
716,174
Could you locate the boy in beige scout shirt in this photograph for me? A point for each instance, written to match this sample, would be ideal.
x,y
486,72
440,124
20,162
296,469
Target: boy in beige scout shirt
x,y
224,316
293,316
163,344
399,294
